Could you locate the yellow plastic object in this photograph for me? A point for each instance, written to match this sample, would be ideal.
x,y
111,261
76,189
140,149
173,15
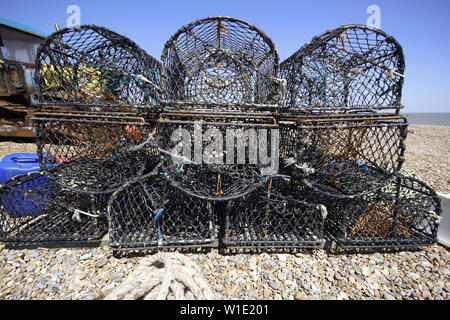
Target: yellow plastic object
x,y
89,79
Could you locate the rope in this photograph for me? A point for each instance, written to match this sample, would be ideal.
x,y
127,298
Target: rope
x,y
357,162
142,78
390,71
77,212
435,216
158,214
164,276
151,141
323,211
219,186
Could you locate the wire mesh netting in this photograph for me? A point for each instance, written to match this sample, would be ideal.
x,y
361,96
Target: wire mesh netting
x,y
93,68
347,69
94,153
343,157
403,215
274,216
149,213
217,156
220,62
185,152
34,209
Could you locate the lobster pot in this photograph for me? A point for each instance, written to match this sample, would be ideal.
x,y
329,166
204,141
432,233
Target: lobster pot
x,y
347,69
35,209
217,156
343,157
223,63
403,215
274,217
93,153
91,68
149,213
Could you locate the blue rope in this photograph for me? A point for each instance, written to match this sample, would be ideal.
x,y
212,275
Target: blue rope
x,y
359,163
165,174
183,162
362,164
158,214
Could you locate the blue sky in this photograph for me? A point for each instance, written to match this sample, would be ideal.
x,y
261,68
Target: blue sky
x,y
421,27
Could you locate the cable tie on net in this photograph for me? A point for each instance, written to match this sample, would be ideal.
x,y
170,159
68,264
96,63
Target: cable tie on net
x,y
391,72
323,211
76,215
281,82
283,86
304,166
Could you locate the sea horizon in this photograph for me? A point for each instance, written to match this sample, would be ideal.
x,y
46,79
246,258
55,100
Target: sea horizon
x,y
431,118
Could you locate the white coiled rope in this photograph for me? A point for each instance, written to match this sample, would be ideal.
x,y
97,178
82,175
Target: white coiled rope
x,y
164,276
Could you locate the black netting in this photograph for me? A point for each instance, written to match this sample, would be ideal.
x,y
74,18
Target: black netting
x,y
166,139
216,157
94,153
350,68
34,209
343,157
403,215
149,213
274,216
92,68
220,62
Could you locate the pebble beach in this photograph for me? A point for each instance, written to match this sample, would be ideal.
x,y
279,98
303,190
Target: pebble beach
x,y
90,273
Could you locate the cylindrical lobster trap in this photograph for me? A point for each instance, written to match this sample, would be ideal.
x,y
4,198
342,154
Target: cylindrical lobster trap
x,y
95,152
352,68
91,68
34,209
149,213
217,156
343,156
403,215
274,217
223,63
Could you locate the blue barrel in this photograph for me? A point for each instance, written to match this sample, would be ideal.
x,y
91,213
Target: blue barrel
x,y
18,163
16,202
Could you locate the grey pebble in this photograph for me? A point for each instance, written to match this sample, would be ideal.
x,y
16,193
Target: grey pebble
x,y
119,277
274,285
84,273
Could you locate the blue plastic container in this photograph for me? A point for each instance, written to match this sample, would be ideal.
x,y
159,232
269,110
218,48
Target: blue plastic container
x,y
24,205
18,163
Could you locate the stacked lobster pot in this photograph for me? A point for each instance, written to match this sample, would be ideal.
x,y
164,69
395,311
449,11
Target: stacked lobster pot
x,y
220,142
345,140
92,85
223,90
221,86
